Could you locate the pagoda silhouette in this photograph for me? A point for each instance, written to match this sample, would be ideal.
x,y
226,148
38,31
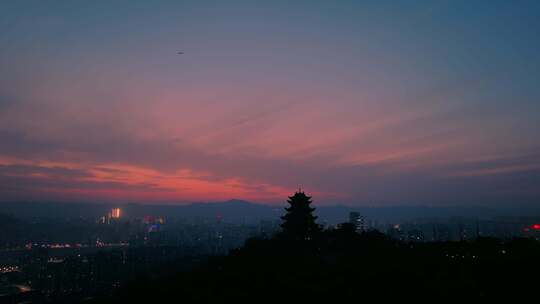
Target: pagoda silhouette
x,y
299,221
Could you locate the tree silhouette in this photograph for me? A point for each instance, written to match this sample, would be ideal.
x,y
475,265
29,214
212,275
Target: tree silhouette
x,y
299,221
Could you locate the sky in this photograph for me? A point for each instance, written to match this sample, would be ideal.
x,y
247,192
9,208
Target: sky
x,y
364,103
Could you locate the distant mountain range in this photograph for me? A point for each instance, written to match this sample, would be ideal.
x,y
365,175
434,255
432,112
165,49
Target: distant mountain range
x,y
239,211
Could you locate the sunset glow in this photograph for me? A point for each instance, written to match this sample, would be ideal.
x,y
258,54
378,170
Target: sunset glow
x,y
96,104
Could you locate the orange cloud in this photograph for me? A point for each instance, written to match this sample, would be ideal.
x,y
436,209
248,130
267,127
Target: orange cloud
x,y
128,182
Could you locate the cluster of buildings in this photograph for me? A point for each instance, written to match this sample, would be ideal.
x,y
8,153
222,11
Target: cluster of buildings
x,y
113,215
451,229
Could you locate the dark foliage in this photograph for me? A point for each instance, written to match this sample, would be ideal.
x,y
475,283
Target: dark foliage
x,y
343,265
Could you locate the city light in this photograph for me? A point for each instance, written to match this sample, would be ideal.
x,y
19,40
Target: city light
x,y
115,213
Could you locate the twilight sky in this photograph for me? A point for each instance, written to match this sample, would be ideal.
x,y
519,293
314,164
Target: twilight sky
x,y
358,102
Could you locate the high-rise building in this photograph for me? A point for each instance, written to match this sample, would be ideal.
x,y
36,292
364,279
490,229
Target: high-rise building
x,y
115,213
358,221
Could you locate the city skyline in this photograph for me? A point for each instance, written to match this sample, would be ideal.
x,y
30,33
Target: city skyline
x,y
411,103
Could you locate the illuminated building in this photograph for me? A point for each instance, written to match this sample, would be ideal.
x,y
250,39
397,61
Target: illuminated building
x,y
358,221
148,219
115,213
